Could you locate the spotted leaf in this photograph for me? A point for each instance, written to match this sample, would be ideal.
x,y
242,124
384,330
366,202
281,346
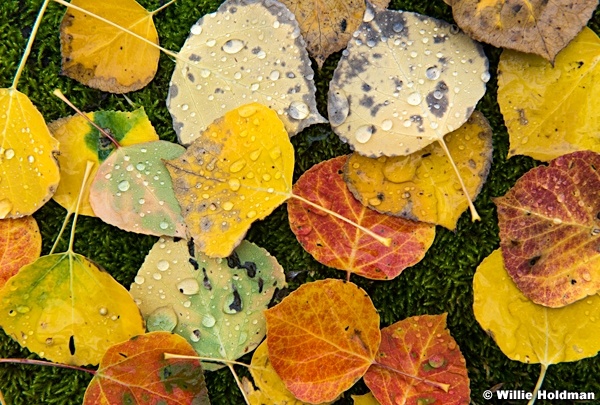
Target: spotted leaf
x,y
105,57
20,244
529,332
81,142
238,171
549,110
404,81
322,338
66,309
248,51
550,229
327,25
216,304
534,26
338,244
29,173
136,372
422,185
419,362
133,190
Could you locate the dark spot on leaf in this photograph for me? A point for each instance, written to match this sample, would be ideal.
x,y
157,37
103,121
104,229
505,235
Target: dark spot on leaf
x,y
522,118
425,155
191,248
250,268
516,8
438,39
194,57
236,305
123,355
191,77
72,345
343,25
261,284
256,50
366,101
205,280
173,91
194,263
534,260
573,282
366,87
233,261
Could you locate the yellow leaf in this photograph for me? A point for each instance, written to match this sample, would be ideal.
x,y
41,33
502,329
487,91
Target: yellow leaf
x,y
65,309
104,57
529,332
80,142
366,399
238,171
551,111
28,170
422,186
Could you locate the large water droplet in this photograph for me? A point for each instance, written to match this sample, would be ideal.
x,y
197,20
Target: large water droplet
x,y
139,279
364,133
163,225
162,265
196,29
414,98
9,153
204,73
211,42
227,206
338,107
234,184
298,110
233,46
123,186
274,75
485,77
208,320
254,86
432,73
188,286
237,166
162,319
398,27
386,125
369,14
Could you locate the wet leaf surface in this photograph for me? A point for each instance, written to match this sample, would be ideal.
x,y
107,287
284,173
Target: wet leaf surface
x,y
420,347
322,338
20,244
136,372
340,245
216,304
104,57
80,142
551,111
549,230
245,52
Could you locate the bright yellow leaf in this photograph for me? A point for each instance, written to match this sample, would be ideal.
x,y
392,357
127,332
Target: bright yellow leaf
x,y
104,57
28,169
80,142
366,399
551,111
236,172
423,186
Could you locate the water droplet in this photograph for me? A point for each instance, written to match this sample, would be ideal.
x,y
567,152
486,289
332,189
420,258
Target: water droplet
x,y
436,361
275,153
9,153
432,73
233,46
251,214
208,320
237,166
276,24
195,335
298,110
162,265
227,206
266,177
123,186
386,125
188,286
242,338
196,29
30,159
364,133
103,311
156,276
586,276
413,54
255,155
234,184
274,75
246,111
204,73
211,42
557,221
163,225
139,279
369,14
398,27
254,86
525,140
485,77
23,309
261,55
414,98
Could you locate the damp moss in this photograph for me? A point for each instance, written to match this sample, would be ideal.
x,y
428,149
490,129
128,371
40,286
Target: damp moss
x,y
442,282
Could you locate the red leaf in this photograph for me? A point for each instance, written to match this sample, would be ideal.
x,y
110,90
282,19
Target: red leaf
x,y
20,244
549,229
340,245
419,363
322,338
135,372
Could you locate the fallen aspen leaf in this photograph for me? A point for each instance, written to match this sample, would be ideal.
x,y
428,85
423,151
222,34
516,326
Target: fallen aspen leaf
x,y
20,244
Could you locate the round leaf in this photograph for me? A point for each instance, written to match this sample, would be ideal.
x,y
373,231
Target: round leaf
x,y
322,338
133,190
550,111
549,229
238,171
247,51
528,332
20,244
404,82
422,186
338,244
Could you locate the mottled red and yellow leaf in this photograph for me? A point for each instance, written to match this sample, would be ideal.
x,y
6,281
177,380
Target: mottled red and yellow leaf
x,y
20,244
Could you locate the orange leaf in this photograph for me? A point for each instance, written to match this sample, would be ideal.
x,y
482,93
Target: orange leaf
x,y
419,363
322,338
338,244
20,244
136,372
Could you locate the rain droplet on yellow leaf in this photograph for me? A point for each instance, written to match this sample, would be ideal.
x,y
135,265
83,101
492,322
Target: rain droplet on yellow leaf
x,y
29,172
104,57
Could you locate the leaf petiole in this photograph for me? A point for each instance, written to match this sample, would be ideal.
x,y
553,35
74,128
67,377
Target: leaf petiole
x,y
208,359
538,385
239,383
161,8
442,386
44,363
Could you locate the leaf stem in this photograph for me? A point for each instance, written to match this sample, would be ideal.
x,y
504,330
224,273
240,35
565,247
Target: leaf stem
x,y
60,95
442,386
539,384
88,169
239,383
474,215
209,359
27,51
379,238
2,400
62,230
46,363
166,51
161,8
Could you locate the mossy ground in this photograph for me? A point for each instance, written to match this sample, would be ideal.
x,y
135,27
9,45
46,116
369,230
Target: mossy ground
x,y
442,282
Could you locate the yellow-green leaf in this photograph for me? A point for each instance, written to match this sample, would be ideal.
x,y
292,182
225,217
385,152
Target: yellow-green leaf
x,y
236,172
104,57
66,309
81,142
551,111
29,173
529,332
423,186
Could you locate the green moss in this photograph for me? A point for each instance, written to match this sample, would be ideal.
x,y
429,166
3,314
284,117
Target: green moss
x,y
442,282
